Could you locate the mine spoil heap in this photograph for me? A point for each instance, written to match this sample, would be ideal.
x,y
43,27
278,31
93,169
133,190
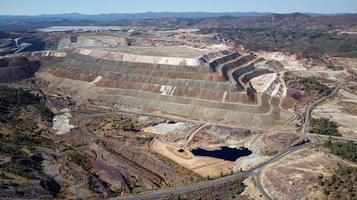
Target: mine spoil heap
x,y
215,87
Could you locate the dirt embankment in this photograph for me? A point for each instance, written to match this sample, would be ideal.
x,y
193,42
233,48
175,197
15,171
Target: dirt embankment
x,y
14,69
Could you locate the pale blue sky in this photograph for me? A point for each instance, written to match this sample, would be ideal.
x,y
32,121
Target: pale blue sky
x,y
35,7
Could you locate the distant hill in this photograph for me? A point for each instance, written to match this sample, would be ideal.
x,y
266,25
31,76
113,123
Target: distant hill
x,y
178,19
147,15
130,16
283,21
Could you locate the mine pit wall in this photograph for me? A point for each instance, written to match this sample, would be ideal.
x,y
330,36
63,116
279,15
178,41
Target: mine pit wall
x,y
75,58
13,69
197,112
214,64
191,110
246,78
87,69
190,92
183,100
239,72
202,93
131,85
100,66
150,42
252,94
218,86
186,96
237,63
156,169
211,56
48,54
137,58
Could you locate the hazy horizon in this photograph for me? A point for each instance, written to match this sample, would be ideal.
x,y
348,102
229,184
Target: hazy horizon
x,y
129,13
94,7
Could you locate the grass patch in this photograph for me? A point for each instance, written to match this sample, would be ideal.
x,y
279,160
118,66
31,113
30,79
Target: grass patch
x,y
346,150
10,149
121,123
341,185
307,83
14,143
324,126
15,168
12,99
79,158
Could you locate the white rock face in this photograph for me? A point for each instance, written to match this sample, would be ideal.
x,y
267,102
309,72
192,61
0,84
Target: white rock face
x,y
49,54
167,90
97,79
61,122
165,128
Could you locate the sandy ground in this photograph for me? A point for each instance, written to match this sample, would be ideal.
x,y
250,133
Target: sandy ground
x,y
264,146
120,43
251,191
180,30
343,110
290,62
138,56
172,51
247,162
296,176
261,83
347,63
178,128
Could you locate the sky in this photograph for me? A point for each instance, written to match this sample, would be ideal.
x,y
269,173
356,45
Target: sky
x,y
36,7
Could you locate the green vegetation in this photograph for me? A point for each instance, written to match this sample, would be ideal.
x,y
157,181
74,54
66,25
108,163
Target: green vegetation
x,y
306,83
25,166
346,150
29,167
124,123
20,135
341,185
120,123
9,149
15,143
80,159
14,168
12,99
307,43
21,132
324,126
234,190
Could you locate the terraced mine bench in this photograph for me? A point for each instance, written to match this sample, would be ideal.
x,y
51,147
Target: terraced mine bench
x,y
186,90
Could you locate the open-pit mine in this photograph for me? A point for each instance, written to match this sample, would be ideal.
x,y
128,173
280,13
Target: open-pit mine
x,y
142,113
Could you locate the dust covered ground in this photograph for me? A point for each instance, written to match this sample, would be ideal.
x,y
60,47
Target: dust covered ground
x,y
296,176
